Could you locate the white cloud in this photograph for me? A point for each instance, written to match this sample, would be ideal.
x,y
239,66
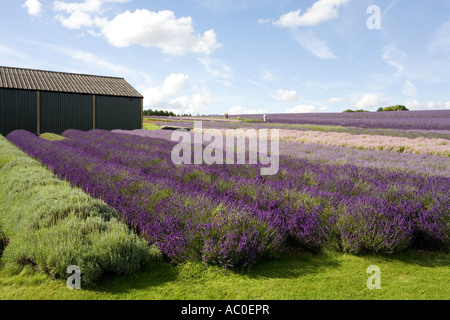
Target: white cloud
x,y
76,20
321,11
287,95
432,105
395,57
441,41
236,110
164,97
371,101
174,36
264,21
80,14
315,45
405,67
173,84
34,7
414,105
216,68
438,105
409,89
158,29
335,100
191,105
302,109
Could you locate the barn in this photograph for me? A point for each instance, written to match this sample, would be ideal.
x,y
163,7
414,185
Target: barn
x,y
46,101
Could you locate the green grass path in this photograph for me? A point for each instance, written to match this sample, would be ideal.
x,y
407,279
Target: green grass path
x,y
326,276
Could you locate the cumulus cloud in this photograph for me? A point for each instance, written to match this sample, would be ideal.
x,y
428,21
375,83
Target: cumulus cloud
x,y
320,11
174,36
155,97
438,105
34,7
236,110
414,105
431,105
287,95
370,101
195,104
302,109
162,29
174,84
74,15
172,96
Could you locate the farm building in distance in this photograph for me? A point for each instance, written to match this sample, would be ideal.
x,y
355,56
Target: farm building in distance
x,y
46,101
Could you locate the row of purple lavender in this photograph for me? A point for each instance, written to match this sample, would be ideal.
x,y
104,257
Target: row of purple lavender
x,y
230,215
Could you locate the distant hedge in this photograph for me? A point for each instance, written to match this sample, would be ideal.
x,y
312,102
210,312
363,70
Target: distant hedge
x,y
352,111
50,225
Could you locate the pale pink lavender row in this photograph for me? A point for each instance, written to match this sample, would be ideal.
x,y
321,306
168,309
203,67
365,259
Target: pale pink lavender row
x,y
414,163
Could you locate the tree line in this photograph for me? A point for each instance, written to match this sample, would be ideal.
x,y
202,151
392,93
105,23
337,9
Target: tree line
x,y
163,113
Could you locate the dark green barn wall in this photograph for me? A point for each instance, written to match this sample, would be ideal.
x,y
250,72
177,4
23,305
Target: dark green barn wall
x,y
117,113
17,110
62,111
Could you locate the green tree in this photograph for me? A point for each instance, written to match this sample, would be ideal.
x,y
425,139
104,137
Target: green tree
x,y
394,108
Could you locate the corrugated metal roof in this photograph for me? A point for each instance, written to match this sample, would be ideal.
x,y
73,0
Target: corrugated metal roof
x,y
28,79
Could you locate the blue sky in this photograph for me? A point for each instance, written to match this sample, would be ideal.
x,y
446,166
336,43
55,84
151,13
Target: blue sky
x,y
242,56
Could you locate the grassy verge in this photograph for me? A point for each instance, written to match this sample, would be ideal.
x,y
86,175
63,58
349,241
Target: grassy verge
x,y
150,126
328,275
51,137
49,226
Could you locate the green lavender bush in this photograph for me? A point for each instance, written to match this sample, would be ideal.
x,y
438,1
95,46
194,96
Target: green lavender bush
x,y
51,226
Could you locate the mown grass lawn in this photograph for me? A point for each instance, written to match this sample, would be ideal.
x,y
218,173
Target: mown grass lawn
x,y
150,126
327,276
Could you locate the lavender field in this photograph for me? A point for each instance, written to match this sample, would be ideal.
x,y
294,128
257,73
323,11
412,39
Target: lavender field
x,y
423,164
350,200
411,120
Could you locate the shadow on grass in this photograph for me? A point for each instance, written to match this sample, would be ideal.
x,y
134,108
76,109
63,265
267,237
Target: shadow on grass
x,y
298,265
153,274
292,266
289,266
158,273
420,258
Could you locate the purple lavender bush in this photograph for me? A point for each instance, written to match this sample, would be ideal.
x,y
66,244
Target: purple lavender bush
x,y
372,225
